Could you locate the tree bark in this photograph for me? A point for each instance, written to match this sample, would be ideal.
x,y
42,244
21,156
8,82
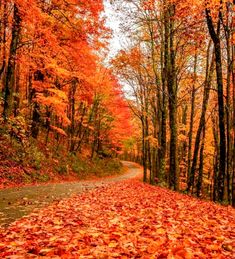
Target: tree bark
x,y
72,115
233,126
10,71
3,38
190,134
206,94
172,91
215,36
201,163
38,76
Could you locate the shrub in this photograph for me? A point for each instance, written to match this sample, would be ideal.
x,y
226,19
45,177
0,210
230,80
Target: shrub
x,y
34,157
62,168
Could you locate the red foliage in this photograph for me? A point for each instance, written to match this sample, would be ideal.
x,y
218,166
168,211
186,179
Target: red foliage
x,y
126,220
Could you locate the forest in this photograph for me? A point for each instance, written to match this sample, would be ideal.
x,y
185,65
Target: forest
x,y
177,116
58,98
180,69
117,129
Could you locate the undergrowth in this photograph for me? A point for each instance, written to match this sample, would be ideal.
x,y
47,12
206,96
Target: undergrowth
x,y
25,161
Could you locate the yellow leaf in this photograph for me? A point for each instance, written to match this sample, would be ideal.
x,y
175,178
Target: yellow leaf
x,y
161,231
113,244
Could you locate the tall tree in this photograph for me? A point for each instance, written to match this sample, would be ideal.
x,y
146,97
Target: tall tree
x,y
215,36
10,70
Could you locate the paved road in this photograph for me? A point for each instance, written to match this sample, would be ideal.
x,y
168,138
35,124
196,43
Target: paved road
x,y
18,202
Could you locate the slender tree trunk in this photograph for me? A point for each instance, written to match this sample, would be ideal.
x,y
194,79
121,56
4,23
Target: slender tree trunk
x,y
157,108
190,134
80,133
84,134
48,124
38,76
222,155
164,65
216,160
3,39
184,144
10,71
35,120
144,157
72,115
206,94
228,162
172,91
148,151
16,98
233,125
201,163
227,30
215,36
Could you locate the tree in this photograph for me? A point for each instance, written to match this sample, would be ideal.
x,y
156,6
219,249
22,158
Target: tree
x,y
215,36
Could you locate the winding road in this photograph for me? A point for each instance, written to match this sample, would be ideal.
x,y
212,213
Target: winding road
x,y
18,202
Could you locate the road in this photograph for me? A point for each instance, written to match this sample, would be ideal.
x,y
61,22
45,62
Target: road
x,y
18,202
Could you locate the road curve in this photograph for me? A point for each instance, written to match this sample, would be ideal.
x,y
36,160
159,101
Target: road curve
x,y
18,202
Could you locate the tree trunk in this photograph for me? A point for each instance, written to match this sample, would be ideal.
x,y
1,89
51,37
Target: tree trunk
x,y
215,36
206,94
3,39
201,165
38,76
164,65
233,151
172,91
72,115
227,30
144,150
216,159
190,134
17,91
10,71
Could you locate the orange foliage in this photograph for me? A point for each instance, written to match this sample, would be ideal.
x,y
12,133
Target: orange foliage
x,y
60,45
128,219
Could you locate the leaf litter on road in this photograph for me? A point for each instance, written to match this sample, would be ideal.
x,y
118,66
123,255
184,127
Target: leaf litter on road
x,y
127,219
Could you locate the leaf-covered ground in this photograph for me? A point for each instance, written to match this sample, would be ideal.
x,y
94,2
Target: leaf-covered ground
x,y
18,202
128,219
